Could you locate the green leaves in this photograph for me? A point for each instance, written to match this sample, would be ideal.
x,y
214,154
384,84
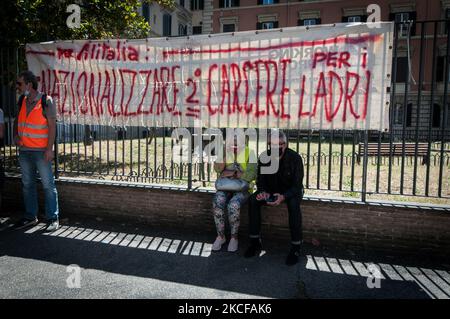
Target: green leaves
x,y
28,21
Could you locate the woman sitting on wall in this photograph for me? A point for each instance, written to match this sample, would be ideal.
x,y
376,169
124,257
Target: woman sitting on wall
x,y
236,176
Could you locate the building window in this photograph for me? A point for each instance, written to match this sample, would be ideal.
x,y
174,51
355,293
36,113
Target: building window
x,y
399,115
197,29
267,2
182,3
229,24
182,29
447,17
167,25
146,12
355,18
267,25
403,27
228,3
440,69
197,5
447,120
404,21
436,115
308,22
409,115
229,27
402,69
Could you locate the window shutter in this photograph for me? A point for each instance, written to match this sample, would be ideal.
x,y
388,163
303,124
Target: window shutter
x,y
440,69
167,25
409,110
146,12
436,115
402,70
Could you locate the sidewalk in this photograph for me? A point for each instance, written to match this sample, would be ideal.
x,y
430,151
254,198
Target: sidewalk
x,y
125,259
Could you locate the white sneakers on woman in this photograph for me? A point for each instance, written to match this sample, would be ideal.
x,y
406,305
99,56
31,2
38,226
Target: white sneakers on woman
x,y
232,246
217,245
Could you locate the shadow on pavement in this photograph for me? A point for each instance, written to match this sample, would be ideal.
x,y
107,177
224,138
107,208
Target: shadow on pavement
x,y
183,257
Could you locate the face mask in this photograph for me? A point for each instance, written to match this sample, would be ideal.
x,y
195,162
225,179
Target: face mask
x,y
277,150
26,93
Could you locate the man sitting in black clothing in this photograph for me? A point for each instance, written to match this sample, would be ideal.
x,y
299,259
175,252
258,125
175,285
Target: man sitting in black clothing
x,y
285,185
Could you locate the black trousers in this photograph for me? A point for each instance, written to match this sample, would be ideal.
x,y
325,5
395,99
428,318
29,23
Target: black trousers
x,y
295,217
2,175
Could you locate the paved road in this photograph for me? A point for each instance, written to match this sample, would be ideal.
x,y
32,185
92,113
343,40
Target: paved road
x,y
123,259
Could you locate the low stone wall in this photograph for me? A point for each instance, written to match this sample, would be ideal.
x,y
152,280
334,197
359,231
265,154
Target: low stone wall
x,y
374,226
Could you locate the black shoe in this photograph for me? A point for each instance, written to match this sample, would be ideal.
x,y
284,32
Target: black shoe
x,y
292,257
254,249
24,223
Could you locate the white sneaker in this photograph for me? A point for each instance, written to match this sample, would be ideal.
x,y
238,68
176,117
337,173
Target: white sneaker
x,y
52,226
233,245
218,243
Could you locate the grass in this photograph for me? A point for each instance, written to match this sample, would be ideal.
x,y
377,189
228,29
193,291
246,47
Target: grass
x,y
137,161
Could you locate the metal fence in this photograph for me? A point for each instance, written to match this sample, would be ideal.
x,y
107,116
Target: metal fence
x,y
411,159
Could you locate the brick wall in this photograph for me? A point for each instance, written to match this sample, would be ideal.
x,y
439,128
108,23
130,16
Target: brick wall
x,y
333,223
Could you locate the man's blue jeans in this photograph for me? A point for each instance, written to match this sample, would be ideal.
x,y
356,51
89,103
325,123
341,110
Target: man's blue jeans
x,y
31,162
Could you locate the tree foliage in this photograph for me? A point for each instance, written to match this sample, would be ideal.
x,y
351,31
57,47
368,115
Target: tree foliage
x,y
30,21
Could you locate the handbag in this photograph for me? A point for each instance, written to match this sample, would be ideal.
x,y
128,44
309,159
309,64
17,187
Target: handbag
x,y
231,184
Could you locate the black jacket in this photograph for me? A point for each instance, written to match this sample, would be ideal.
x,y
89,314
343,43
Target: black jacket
x,y
288,180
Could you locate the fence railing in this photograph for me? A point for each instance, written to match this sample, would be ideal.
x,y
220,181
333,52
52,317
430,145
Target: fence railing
x,y
336,161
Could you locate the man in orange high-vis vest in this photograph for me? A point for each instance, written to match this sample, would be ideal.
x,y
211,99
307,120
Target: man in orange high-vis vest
x,y
34,133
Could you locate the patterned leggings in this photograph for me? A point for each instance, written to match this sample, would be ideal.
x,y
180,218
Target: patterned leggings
x,y
235,201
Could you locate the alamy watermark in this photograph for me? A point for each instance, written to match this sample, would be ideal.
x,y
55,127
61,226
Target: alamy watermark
x,y
374,16
211,147
73,281
374,278
73,21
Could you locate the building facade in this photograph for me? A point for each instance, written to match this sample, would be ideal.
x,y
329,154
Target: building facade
x,y
165,22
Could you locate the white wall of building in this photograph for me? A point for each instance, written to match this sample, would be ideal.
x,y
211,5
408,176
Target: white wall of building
x,y
180,15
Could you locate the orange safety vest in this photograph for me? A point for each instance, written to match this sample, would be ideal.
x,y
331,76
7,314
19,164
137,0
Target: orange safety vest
x,y
33,129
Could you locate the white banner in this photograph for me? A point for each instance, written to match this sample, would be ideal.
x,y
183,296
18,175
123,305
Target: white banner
x,y
322,77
